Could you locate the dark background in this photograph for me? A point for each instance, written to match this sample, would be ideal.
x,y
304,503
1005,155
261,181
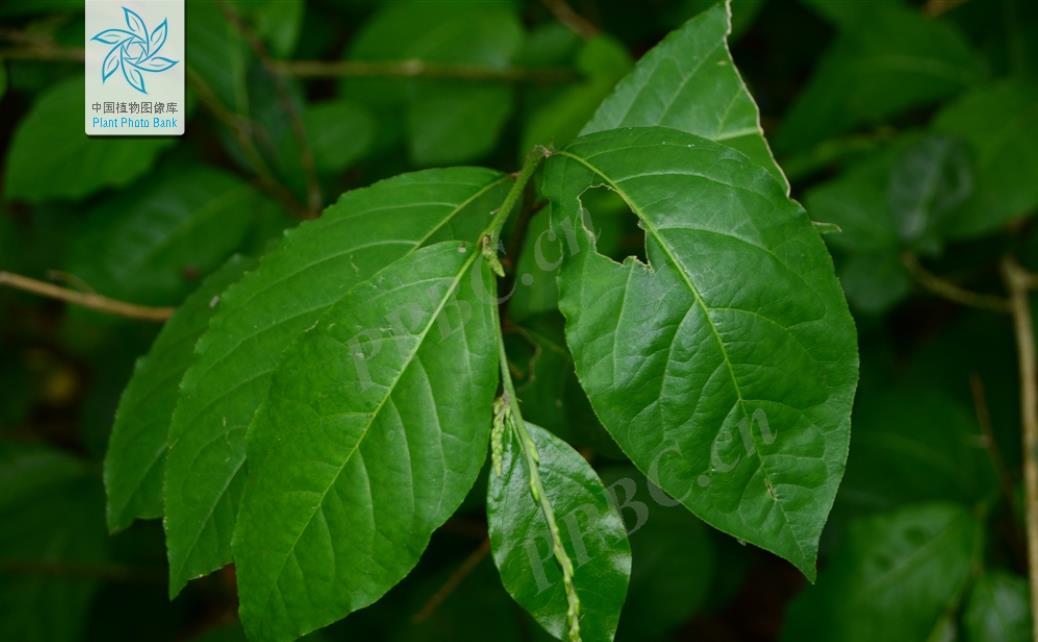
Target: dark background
x,y
855,99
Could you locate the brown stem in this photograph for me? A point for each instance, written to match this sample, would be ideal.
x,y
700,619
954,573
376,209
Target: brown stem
x,y
109,572
1018,282
998,463
39,49
243,132
467,566
43,52
934,8
417,69
570,19
85,299
288,105
948,290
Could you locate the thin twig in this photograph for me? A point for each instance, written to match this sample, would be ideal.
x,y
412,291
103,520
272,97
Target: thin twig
x,y
418,69
948,290
1017,281
43,52
998,463
40,49
570,19
463,571
935,8
85,299
109,572
288,105
243,131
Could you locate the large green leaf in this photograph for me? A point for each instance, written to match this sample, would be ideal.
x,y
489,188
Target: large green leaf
x,y
888,58
999,609
726,367
447,121
51,508
892,579
375,428
591,531
50,158
219,55
689,82
339,133
149,244
990,120
313,268
914,442
135,462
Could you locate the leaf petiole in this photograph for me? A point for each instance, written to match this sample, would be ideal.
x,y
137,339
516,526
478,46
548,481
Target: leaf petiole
x,y
512,418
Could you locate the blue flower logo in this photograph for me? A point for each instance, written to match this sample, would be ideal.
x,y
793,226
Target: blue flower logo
x,y
134,51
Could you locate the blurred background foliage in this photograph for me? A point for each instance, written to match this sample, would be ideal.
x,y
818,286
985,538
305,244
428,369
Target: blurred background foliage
x,y
910,125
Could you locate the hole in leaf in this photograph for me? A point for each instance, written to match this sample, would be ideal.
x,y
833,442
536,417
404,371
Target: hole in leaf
x,y
617,233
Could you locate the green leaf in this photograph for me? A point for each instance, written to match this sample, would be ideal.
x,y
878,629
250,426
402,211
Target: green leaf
x,y
929,180
845,14
340,132
374,430
903,196
135,462
914,442
744,12
547,387
990,120
219,55
590,529
729,362
448,121
689,82
277,22
557,121
892,579
148,244
73,165
294,285
674,559
873,283
887,59
51,507
998,609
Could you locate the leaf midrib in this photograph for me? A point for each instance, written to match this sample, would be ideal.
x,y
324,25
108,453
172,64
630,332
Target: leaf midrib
x,y
678,266
219,497
465,267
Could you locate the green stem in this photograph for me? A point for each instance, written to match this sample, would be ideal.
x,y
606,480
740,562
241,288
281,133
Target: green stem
x,y
508,414
533,160
518,425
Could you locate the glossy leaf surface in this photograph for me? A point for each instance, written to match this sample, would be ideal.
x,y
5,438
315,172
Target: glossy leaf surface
x,y
135,462
592,533
312,269
375,429
689,82
726,367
